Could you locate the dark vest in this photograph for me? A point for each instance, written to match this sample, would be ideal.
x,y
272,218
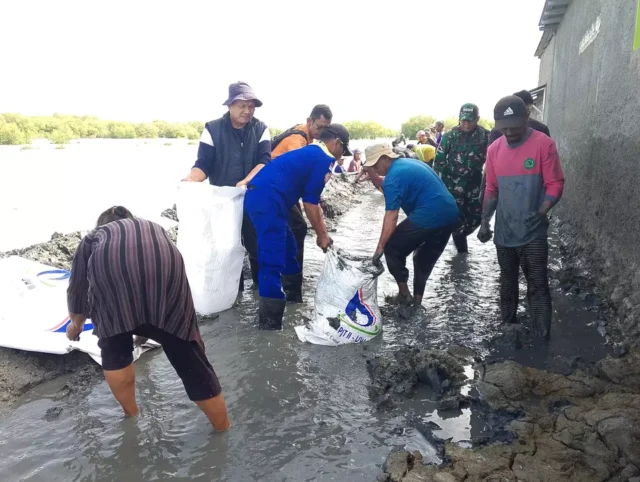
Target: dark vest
x,y
236,150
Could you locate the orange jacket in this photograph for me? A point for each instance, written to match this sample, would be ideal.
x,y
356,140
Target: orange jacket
x,y
294,141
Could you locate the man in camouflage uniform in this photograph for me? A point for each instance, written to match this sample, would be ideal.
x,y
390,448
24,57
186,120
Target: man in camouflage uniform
x,y
459,162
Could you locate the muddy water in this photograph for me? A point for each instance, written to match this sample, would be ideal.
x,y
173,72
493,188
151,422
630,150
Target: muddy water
x,y
300,412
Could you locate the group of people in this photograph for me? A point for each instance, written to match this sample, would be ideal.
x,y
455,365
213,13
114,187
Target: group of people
x,y
129,278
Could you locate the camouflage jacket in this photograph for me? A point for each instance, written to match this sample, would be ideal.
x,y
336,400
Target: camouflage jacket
x,y
461,155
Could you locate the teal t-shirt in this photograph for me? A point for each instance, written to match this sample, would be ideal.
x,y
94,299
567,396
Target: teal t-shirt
x,y
416,188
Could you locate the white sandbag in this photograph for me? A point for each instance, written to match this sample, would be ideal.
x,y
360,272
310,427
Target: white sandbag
x,y
346,305
209,238
33,311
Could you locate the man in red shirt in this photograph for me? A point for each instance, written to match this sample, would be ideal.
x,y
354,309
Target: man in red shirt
x,y
524,181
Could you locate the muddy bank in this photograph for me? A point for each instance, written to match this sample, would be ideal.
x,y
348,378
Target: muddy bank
x,y
581,423
20,370
584,427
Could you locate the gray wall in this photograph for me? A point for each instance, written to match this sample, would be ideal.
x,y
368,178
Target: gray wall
x,y
593,111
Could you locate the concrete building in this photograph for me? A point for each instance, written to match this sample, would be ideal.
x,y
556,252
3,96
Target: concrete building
x,y
590,86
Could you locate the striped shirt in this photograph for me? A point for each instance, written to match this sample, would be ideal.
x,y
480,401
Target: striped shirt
x,y
129,273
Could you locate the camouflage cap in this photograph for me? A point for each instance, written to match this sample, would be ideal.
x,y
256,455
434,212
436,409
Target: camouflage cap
x,y
469,112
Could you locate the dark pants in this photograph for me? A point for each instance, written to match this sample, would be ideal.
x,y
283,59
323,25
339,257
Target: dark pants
x,y
187,358
460,240
426,244
298,227
533,259
276,243
250,243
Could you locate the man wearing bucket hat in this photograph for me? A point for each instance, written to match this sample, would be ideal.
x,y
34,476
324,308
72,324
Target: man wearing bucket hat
x,y
524,181
459,161
432,215
301,173
232,149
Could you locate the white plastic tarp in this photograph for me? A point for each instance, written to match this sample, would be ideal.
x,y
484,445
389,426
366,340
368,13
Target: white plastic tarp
x,y
346,304
209,238
33,311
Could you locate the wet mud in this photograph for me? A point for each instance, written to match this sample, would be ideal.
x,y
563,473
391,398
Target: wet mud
x,y
21,371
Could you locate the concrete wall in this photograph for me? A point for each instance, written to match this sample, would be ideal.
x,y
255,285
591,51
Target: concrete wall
x,y
593,111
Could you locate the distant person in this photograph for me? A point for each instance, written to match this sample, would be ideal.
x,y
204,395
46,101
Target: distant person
x,y
432,215
338,166
294,138
459,162
129,278
355,164
425,138
426,153
524,181
526,96
301,173
232,150
439,132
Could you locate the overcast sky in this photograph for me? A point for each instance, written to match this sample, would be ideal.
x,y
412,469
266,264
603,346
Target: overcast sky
x,y
141,60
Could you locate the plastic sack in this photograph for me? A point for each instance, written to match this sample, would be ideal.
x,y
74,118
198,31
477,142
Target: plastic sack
x,y
346,304
33,311
210,240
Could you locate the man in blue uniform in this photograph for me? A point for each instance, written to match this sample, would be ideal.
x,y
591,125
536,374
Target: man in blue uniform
x,y
271,194
432,215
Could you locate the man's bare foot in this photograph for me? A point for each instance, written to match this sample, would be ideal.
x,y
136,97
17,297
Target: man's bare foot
x,y
400,299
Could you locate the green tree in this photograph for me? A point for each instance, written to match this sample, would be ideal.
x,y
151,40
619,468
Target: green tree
x,y
10,134
368,130
487,124
451,122
274,131
62,135
147,130
416,123
121,130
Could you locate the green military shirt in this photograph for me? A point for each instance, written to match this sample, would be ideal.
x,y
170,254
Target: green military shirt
x,y
461,157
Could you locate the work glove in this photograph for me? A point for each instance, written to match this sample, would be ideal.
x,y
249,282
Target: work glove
x,y
534,218
485,234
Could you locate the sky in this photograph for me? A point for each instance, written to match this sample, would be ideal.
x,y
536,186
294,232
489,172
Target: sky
x,y
139,60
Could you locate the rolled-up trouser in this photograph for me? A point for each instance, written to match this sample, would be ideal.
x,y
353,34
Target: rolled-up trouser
x,y
427,244
298,227
533,259
276,243
187,358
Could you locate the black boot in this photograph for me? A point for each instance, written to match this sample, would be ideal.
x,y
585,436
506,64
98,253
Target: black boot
x,y
460,240
270,313
292,286
241,287
254,272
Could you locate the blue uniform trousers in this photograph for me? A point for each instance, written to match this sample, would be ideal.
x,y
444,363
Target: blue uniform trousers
x,y
276,243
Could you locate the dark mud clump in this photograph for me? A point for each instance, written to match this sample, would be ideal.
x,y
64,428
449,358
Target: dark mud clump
x,y
58,252
583,427
442,372
171,213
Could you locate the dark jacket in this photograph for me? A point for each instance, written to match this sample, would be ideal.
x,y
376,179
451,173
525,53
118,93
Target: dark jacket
x,y
226,154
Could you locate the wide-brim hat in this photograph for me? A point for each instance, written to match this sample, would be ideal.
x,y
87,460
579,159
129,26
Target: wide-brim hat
x,y
375,152
241,91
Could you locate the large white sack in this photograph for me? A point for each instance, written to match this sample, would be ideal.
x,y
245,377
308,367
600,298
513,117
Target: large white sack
x,y
346,305
33,311
209,238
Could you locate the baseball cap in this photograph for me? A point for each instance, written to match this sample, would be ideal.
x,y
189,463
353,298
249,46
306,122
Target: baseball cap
x,y
241,91
510,111
469,112
341,133
375,152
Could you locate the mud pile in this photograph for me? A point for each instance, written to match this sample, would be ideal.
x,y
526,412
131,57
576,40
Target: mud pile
x,y
58,252
583,427
340,195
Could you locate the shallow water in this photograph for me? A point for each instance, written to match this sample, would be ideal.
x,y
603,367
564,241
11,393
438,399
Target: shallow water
x,y
300,412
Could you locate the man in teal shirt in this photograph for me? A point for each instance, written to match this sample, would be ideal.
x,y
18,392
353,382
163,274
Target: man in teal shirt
x,y
432,215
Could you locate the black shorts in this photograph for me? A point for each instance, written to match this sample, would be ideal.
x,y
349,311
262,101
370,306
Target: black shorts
x,y
187,358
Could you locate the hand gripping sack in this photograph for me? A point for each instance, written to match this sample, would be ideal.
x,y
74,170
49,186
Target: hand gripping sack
x,y
209,238
346,305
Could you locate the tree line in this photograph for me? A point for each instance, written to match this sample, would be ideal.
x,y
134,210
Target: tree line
x,y
16,129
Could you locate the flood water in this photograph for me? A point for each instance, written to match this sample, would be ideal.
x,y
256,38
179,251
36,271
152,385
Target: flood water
x,y
300,412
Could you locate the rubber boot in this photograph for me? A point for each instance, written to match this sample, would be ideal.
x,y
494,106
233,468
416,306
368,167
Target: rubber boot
x,y
254,272
292,287
460,240
270,313
241,287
